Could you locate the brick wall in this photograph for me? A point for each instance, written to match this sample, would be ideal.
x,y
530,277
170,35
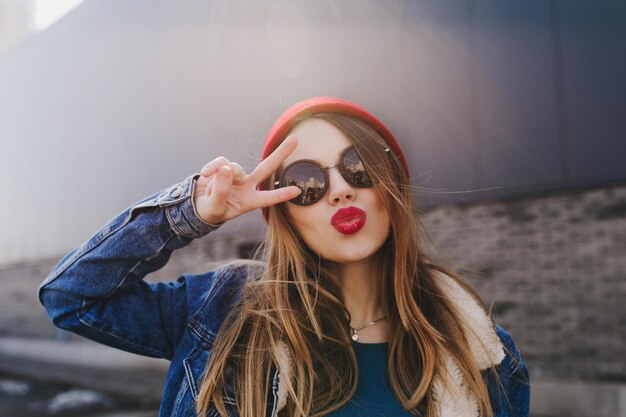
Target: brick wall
x,y
552,266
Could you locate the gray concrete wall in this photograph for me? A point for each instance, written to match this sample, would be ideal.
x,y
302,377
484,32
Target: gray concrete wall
x,y
121,98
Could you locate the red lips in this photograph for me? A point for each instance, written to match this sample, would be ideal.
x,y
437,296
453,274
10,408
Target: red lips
x,y
348,220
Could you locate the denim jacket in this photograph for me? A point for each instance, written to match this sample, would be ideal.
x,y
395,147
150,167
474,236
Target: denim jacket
x,y
98,291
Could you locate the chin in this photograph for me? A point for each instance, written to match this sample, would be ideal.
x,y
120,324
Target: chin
x,y
354,254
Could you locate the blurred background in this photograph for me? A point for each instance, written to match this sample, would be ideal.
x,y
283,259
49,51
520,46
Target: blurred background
x,y
511,114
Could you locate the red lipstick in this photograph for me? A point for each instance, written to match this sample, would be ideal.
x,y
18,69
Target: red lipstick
x,y
348,220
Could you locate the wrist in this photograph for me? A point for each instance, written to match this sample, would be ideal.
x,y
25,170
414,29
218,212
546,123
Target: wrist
x,y
213,224
178,204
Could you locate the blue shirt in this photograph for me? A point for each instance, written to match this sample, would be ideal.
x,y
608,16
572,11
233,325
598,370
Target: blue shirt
x,y
374,396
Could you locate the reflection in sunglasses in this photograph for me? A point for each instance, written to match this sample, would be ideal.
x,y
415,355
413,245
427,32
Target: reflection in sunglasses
x,y
312,188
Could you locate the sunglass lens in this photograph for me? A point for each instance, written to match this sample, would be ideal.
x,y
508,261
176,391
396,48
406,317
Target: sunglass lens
x,y
353,169
309,178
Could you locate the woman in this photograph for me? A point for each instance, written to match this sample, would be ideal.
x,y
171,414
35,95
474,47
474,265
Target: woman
x,y
344,316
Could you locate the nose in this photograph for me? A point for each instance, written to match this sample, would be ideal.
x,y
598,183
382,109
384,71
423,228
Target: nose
x,y
339,190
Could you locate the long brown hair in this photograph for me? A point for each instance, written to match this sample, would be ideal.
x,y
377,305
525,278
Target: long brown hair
x,y
296,299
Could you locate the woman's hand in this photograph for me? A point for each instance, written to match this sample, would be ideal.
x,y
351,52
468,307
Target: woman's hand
x,y
224,191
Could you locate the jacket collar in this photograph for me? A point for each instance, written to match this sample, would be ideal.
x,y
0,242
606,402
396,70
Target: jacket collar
x,y
452,399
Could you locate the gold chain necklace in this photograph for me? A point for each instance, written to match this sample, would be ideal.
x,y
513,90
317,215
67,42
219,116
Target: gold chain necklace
x,y
355,336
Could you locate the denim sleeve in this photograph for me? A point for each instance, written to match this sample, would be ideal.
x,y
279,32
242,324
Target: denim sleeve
x,y
97,290
515,379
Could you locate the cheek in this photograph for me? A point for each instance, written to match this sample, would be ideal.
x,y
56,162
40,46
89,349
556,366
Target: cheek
x,y
306,222
377,205
381,226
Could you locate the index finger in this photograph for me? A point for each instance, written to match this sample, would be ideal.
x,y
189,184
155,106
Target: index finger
x,y
273,161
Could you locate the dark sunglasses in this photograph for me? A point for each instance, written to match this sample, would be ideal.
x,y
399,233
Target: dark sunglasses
x,y
312,178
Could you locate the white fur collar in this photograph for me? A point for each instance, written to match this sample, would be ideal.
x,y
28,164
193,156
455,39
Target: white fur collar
x,y
453,399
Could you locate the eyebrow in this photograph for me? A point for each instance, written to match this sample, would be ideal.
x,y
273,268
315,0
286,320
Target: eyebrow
x,y
311,159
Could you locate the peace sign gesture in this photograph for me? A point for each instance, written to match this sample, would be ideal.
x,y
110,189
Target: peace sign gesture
x,y
224,190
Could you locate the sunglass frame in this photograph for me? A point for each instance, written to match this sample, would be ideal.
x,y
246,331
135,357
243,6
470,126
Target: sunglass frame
x,y
340,167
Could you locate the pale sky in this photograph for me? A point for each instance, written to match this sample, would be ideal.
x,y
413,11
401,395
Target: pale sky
x,y
49,11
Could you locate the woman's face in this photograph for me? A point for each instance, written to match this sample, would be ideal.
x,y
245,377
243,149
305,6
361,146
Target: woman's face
x,y
322,142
